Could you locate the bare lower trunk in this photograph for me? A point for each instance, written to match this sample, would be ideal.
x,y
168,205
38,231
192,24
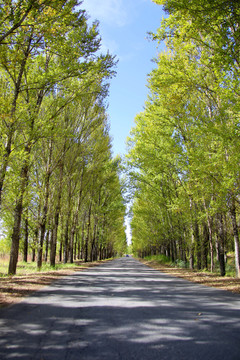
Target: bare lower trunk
x,y
71,246
66,245
17,219
47,245
93,245
15,238
198,245
191,250
88,234
205,246
40,245
25,247
54,238
45,208
220,236
236,237
56,220
210,233
191,257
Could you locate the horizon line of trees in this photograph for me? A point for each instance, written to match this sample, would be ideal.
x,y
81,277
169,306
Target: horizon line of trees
x,y
60,192
184,150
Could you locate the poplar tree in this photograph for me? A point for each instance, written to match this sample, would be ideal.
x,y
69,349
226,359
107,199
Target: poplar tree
x,y
185,143
49,62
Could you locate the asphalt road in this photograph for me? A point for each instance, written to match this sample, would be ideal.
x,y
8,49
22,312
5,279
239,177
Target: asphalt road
x,y
122,310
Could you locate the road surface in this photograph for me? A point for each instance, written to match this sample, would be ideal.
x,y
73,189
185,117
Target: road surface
x,y
122,310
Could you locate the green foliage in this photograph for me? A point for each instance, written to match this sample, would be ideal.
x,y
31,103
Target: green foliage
x,y
183,152
59,186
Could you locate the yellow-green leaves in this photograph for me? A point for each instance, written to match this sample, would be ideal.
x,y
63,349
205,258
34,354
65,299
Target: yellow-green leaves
x,y
185,145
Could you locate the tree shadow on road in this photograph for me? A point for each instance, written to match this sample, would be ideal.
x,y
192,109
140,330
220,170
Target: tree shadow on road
x,y
122,312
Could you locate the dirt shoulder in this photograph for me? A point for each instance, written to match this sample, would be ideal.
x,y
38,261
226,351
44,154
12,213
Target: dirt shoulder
x,y
208,279
13,289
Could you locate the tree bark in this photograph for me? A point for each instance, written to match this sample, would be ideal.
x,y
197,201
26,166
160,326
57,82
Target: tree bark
x,y
198,245
18,217
88,233
25,246
56,218
210,234
191,249
236,236
205,246
71,247
220,237
66,247
93,245
45,208
47,245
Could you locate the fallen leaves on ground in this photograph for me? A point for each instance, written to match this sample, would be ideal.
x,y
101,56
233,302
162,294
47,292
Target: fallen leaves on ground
x,y
14,288
208,279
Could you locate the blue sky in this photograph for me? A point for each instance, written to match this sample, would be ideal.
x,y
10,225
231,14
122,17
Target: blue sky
x,y
123,27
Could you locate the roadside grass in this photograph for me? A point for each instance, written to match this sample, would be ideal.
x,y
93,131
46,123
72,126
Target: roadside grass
x,y
27,268
160,259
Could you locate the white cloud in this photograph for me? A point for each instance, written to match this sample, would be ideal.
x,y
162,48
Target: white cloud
x,y
112,12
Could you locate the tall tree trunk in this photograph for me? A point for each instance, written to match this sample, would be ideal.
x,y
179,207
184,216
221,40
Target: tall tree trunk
x,y
100,251
88,233
67,241
54,238
25,245
24,179
236,236
210,234
66,247
60,250
171,239
35,238
47,245
79,246
205,246
221,240
83,236
71,247
51,242
75,218
191,249
198,245
75,247
18,216
45,207
40,244
56,218
93,241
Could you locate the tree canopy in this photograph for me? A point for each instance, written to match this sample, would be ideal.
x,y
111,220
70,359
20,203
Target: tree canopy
x,y
60,190
183,152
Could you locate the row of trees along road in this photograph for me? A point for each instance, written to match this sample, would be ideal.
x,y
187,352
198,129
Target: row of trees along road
x,y
60,193
184,149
